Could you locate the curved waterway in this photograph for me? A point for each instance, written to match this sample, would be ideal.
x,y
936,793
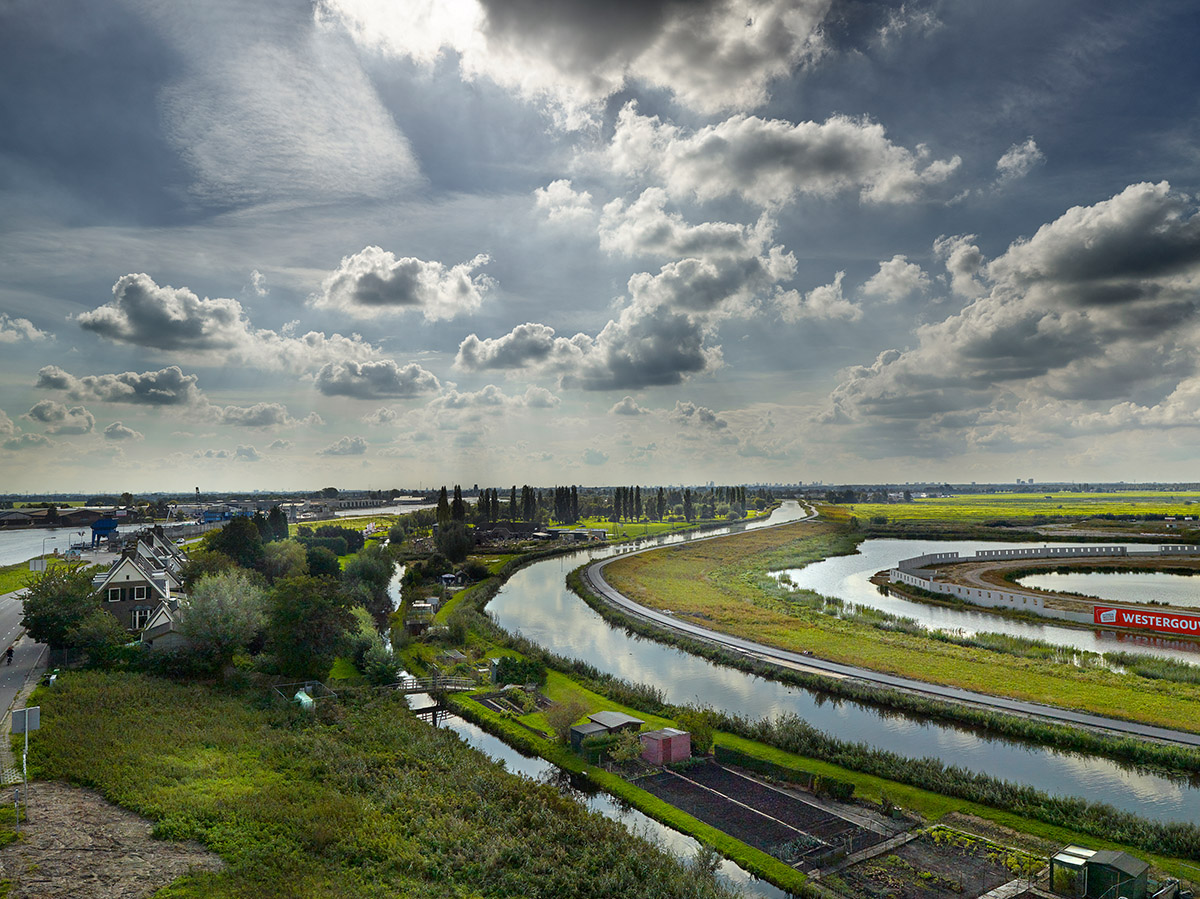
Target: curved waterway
x,y
848,578
537,603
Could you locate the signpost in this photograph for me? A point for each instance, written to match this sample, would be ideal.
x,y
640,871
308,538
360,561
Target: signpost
x,y
23,721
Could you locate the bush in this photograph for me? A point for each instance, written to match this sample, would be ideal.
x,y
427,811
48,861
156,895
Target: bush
x,y
514,670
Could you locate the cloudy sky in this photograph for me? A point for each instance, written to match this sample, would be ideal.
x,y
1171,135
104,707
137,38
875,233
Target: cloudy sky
x,y
379,243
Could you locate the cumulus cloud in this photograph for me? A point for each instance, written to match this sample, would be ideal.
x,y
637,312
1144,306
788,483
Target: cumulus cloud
x,y
644,227
688,413
896,280
175,319
27,441
769,162
258,283
279,444
1098,306
118,431
540,398
259,415
246,454
373,380
824,302
1018,160
375,281
7,428
381,416
14,330
642,347
61,419
627,406
166,387
594,457
488,399
346,446
563,204
964,262
712,55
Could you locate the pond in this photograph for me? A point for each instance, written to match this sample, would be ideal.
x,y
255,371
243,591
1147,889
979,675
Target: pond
x,y
1122,586
848,578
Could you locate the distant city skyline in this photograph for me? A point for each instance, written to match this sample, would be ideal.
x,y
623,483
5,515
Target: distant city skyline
x,y
374,243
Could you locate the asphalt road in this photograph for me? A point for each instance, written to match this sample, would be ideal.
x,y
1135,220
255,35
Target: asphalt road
x,y
595,577
26,654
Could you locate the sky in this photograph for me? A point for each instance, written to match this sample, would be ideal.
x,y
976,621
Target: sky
x,y
395,243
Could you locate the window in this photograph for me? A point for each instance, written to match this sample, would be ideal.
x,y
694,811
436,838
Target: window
x,y
139,592
140,618
115,594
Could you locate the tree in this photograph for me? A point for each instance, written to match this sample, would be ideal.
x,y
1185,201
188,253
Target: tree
x,y
458,509
99,635
57,601
443,509
265,532
284,558
561,715
223,615
512,503
700,723
689,511
380,665
278,522
454,541
239,540
308,623
322,562
628,748
372,569
637,503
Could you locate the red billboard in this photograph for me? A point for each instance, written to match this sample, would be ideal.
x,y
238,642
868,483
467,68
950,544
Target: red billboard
x,y
1156,621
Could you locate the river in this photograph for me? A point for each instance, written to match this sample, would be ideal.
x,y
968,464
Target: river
x,y
536,603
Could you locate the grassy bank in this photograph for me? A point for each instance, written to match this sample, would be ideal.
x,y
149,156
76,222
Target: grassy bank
x,y
726,585
356,800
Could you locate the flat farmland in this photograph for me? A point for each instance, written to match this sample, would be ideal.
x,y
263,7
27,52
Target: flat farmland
x,y
983,507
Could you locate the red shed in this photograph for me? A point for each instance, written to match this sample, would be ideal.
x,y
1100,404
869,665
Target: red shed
x,y
662,747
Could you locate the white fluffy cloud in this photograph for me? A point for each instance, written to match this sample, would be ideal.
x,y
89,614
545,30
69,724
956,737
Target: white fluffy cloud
x,y
375,380
173,319
27,442
627,406
375,281
60,419
118,431
896,280
166,387
769,162
14,330
642,347
712,55
688,413
345,446
1018,160
562,204
1098,306
824,302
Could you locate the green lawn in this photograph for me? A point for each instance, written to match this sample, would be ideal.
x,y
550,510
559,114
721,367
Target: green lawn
x,y
978,508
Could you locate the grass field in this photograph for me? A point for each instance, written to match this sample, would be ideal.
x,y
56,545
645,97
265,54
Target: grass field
x,y
356,799
726,585
978,508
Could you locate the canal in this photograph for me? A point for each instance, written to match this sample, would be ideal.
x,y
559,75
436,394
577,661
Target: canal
x,y
537,603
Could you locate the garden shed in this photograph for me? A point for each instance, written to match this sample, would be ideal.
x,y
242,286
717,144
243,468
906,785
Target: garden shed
x,y
1104,874
616,721
665,746
581,732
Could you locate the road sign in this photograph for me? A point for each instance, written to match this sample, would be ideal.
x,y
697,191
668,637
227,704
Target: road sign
x,y
25,720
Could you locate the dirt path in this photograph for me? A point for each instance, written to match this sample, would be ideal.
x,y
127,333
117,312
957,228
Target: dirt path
x,y
76,844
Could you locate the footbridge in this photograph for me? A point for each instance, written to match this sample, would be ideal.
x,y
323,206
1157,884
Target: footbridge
x,y
437,684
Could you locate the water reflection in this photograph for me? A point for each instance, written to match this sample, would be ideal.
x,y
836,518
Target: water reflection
x,y
848,578
1122,586
537,603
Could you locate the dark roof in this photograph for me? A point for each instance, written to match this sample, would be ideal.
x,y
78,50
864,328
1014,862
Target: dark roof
x,y
588,728
1120,861
614,719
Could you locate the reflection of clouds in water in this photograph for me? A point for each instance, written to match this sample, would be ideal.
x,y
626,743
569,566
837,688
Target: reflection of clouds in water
x,y
537,602
1123,586
847,577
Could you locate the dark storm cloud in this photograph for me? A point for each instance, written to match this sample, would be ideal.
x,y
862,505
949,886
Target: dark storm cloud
x,y
371,380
